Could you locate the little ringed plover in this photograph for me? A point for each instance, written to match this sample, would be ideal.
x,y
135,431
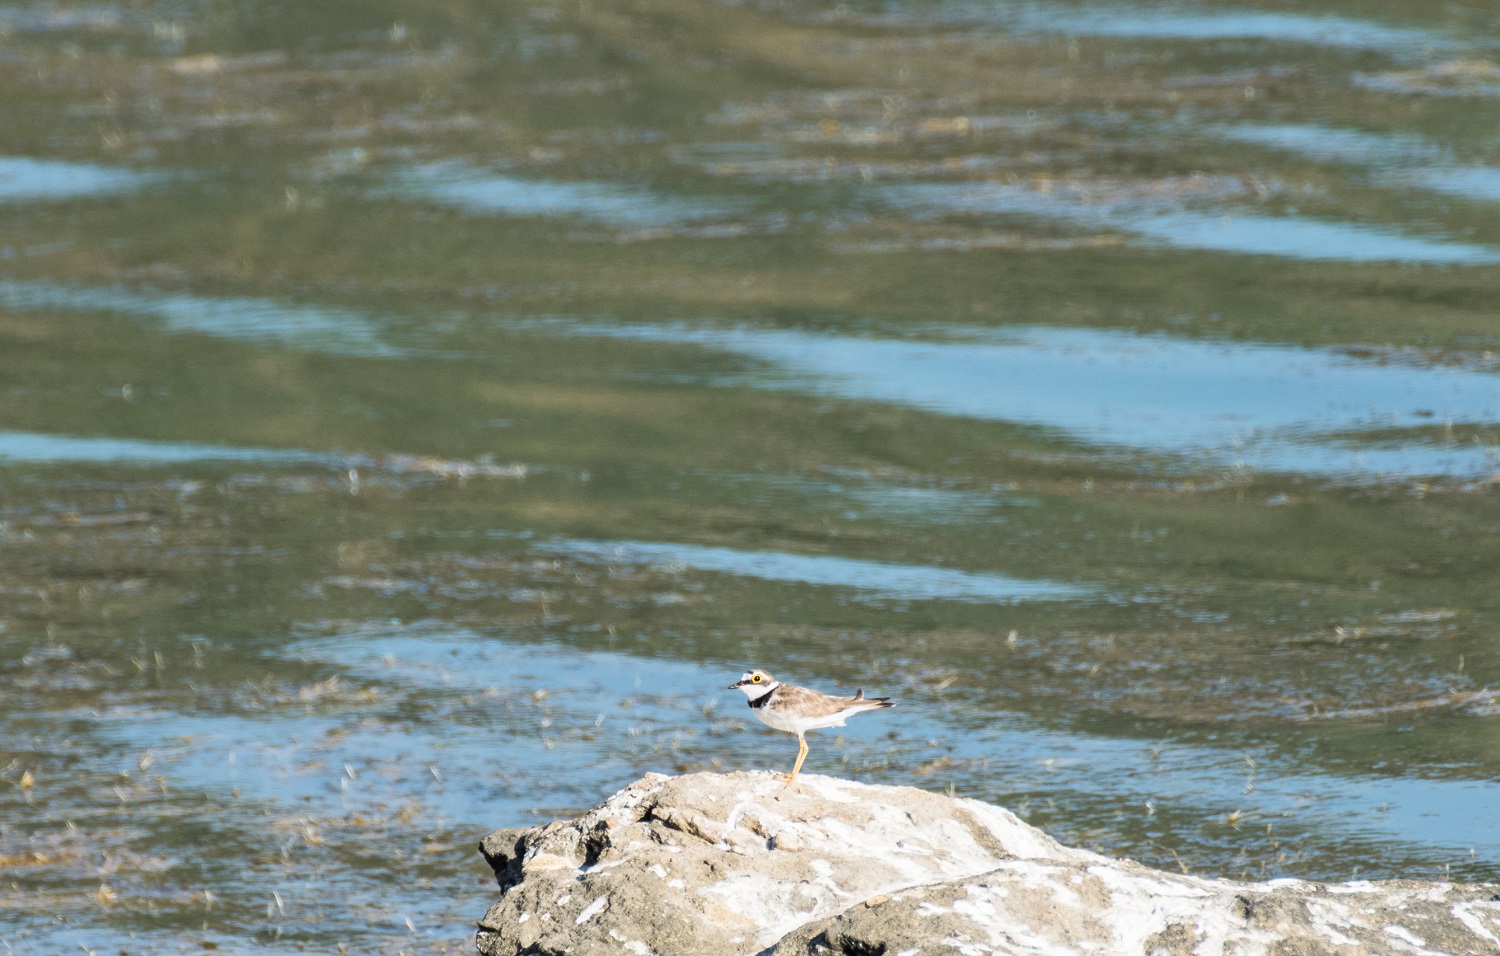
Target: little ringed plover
x,y
796,710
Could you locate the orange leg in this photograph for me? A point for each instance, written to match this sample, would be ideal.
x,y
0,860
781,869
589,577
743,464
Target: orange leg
x,y
801,756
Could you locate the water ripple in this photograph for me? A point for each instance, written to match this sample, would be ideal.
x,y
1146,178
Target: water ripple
x,y
875,579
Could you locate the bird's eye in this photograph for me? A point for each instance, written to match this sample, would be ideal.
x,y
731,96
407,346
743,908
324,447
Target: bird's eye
x,y
755,679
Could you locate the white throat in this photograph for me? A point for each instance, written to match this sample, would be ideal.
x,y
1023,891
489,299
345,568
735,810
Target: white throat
x,y
758,691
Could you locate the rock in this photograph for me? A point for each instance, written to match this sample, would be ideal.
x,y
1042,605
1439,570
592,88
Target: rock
x,y
721,864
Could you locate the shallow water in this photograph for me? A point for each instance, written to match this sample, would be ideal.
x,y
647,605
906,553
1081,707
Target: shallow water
x,y
25,178
345,331
478,192
17,447
1168,21
874,579
1224,230
1250,405
411,420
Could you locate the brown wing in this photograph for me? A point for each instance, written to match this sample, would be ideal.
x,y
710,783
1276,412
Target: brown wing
x,y
810,703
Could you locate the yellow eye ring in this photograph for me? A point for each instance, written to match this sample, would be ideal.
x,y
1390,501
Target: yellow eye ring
x,y
755,679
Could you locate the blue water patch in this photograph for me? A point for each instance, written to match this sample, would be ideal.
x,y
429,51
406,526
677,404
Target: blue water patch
x,y
592,736
1175,21
873,579
1470,182
1296,237
1224,230
1336,144
544,727
1393,459
458,184
24,179
858,494
262,321
1276,407
56,935
1185,22
1405,160
1447,815
1458,78
34,448
56,18
475,730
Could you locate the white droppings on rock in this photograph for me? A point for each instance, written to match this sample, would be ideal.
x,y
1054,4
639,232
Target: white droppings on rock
x,y
1332,917
659,870
983,906
967,947
1418,944
836,790
1336,937
975,906
592,910
1018,838
634,946
1471,919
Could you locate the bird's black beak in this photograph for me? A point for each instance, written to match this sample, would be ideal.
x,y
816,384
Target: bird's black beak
x,y
735,686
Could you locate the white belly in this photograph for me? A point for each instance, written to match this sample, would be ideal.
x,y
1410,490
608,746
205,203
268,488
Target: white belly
x,y
793,724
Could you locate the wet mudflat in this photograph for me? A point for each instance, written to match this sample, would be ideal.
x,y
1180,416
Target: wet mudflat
x,y
412,416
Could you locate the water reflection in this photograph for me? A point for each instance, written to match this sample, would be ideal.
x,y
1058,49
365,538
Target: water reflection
x,y
1154,218
23,178
33,448
578,725
1406,160
858,494
455,183
1442,815
874,580
1338,145
262,321
1459,77
555,710
42,449
1470,182
1302,238
1166,21
1184,22
1262,406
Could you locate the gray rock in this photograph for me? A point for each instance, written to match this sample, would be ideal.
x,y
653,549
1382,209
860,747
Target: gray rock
x,y
723,864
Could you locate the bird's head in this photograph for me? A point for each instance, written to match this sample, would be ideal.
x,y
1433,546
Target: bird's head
x,y
754,683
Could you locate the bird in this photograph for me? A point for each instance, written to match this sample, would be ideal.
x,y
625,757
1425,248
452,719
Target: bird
x,y
796,710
